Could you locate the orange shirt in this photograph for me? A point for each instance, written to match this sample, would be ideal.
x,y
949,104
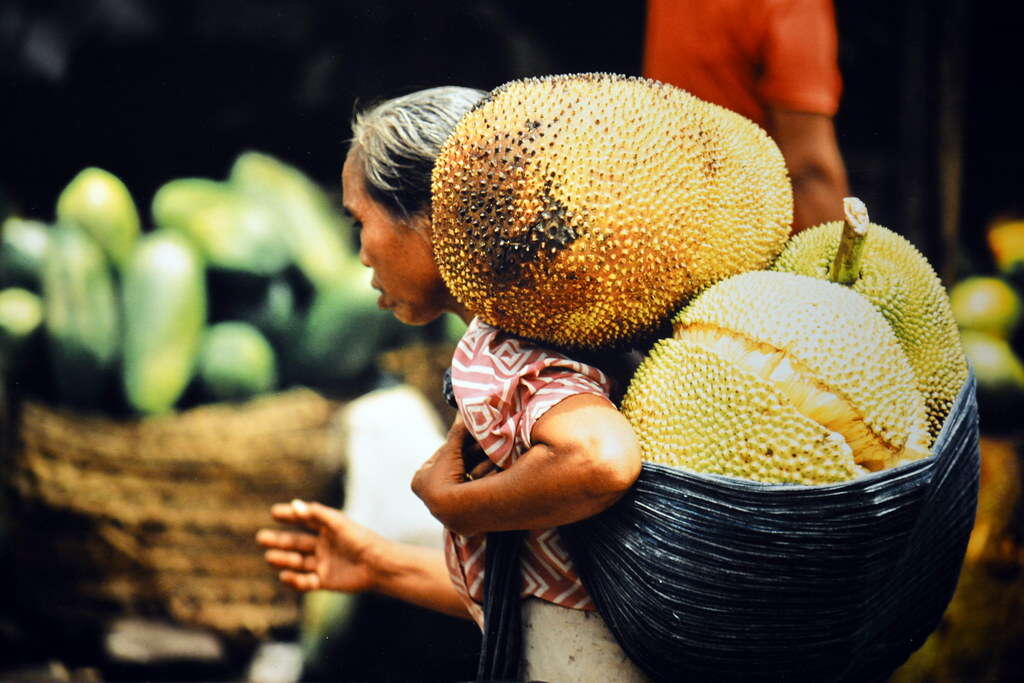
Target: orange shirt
x,y
746,54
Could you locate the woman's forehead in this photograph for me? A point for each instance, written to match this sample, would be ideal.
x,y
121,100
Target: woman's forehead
x,y
353,183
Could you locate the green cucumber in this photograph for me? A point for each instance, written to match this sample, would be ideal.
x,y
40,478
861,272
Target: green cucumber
x,y
164,294
81,315
319,238
99,203
341,335
177,199
22,249
21,314
232,231
268,305
236,362
454,328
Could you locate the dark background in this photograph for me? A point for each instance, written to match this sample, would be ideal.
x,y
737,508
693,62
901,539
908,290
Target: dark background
x,y
929,122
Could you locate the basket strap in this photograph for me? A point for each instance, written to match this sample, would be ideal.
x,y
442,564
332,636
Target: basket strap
x,y
501,649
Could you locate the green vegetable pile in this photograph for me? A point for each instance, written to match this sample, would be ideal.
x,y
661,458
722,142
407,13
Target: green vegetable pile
x,y
243,286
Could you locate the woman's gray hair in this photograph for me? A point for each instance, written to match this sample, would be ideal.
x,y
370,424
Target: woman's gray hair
x,y
398,140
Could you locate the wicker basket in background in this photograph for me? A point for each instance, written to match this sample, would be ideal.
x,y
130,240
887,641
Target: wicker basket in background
x,y
157,517
422,366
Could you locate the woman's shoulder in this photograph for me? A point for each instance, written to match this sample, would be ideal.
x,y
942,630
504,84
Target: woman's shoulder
x,y
489,360
502,384
485,350
483,342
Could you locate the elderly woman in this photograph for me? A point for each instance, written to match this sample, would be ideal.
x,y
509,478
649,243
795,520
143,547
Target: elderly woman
x,y
557,448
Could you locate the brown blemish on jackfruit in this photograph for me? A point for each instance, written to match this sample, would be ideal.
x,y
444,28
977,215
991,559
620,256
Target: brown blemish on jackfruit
x,y
541,240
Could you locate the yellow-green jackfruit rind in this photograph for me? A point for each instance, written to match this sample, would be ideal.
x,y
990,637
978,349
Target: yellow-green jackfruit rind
x,y
583,210
903,286
692,409
831,330
995,364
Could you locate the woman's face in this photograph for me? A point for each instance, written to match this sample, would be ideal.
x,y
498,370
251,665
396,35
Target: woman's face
x,y
399,252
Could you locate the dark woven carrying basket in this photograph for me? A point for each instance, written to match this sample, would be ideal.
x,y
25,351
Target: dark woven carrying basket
x,y
713,578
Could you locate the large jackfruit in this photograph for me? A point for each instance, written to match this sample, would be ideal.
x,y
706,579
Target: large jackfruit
x,y
583,210
778,378
901,283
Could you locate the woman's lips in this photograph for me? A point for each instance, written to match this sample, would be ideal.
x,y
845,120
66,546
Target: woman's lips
x,y
382,301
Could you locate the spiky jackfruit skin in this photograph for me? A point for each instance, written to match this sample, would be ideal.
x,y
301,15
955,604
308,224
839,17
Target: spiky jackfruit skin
x,y
583,210
900,282
778,378
694,409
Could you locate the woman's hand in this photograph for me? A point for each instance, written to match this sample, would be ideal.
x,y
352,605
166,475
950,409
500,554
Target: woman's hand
x,y
435,481
333,554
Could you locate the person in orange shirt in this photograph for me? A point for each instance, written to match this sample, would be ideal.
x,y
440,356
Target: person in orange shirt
x,y
773,61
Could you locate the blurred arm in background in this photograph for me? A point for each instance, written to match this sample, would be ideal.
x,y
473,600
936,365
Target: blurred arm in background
x,y
809,146
773,61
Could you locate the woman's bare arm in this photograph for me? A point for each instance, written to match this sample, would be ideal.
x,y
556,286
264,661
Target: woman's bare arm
x,y
809,146
584,458
336,553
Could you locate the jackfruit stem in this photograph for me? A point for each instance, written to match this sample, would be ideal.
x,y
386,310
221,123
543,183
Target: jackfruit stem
x,y
846,266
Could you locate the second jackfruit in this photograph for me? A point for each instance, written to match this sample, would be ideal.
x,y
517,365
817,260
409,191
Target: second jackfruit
x,y
778,378
901,283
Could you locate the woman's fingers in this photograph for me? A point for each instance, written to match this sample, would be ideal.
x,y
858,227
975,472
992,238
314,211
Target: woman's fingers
x,y
458,427
481,469
317,513
295,512
286,559
286,540
283,512
300,581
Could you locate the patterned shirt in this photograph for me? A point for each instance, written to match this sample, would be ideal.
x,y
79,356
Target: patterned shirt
x,y
503,385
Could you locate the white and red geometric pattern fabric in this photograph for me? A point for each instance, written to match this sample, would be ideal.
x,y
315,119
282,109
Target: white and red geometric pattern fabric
x,y
502,386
